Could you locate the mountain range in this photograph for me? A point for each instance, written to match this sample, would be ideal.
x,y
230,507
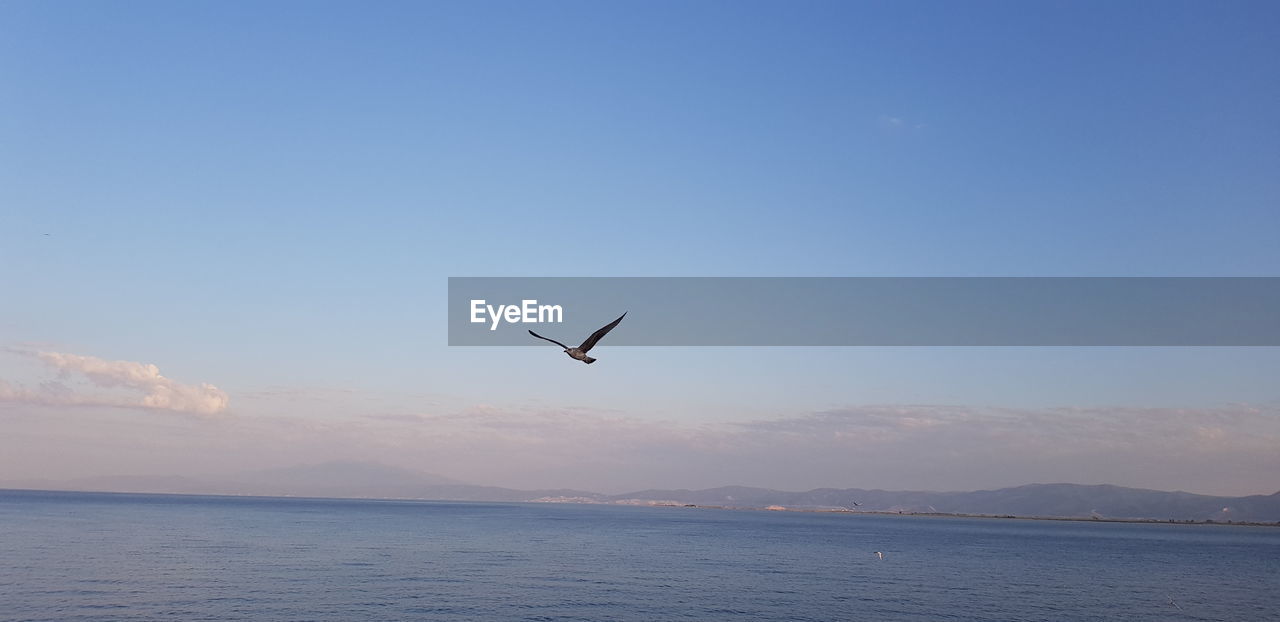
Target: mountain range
x,y
371,480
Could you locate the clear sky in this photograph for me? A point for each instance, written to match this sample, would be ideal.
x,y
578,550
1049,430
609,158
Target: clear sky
x,y
268,198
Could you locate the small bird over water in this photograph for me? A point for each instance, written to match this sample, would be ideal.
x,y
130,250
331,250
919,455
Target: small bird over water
x,y
580,352
879,555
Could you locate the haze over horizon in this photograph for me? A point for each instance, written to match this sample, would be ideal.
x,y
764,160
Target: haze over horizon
x,y
373,480
227,229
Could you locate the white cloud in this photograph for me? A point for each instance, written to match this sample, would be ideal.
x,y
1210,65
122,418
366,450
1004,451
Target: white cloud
x,y
158,392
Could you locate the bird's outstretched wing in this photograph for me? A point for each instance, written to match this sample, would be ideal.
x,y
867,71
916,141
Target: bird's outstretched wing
x,y
596,336
551,340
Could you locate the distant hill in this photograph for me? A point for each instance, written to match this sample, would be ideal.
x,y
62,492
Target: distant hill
x,y
371,480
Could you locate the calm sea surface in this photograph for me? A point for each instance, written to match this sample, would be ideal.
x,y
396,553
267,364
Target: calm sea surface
x,y
87,556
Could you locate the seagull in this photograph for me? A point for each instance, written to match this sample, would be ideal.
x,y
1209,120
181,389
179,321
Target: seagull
x,y
880,555
580,352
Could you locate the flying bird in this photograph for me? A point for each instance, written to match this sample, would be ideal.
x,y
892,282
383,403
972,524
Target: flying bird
x,y
879,555
580,352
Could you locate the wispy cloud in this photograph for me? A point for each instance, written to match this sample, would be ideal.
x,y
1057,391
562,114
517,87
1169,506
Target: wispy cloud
x,y
896,123
907,446
1227,449
1053,430
157,391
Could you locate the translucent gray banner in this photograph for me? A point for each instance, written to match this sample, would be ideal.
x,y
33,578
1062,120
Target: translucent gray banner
x,y
892,311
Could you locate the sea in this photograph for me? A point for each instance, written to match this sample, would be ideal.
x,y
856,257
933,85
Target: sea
x,y
105,556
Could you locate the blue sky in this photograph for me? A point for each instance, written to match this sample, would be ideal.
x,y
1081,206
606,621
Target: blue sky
x,y
270,197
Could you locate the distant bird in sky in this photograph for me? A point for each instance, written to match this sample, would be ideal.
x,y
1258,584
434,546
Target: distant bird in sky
x,y
879,555
580,352
855,503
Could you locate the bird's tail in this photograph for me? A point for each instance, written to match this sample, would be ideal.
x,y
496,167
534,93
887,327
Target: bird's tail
x,y
588,360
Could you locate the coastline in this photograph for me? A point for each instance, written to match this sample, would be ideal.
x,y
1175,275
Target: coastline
x,y
659,504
